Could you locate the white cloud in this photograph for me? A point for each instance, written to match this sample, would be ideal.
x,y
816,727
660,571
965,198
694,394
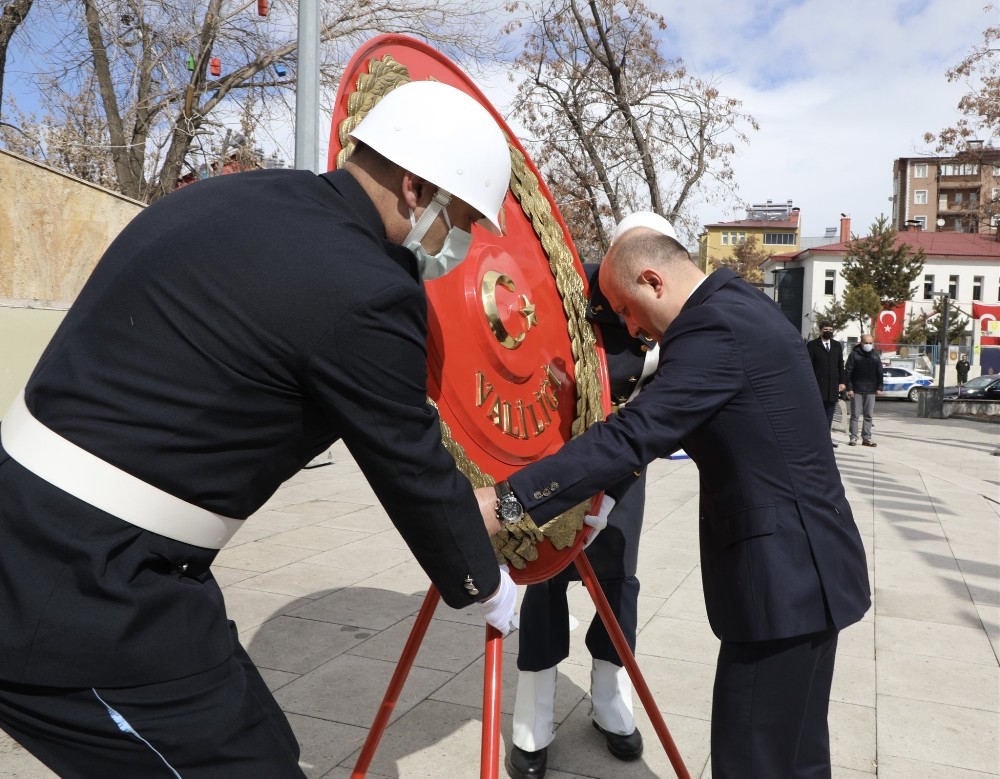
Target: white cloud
x,y
840,91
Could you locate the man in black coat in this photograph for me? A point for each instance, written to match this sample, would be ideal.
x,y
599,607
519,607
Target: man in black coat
x,y
827,358
232,332
782,562
864,383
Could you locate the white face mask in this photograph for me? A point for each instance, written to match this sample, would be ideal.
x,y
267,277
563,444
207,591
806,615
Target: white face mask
x,y
456,243
867,347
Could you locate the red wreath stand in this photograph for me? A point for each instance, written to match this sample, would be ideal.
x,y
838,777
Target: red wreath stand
x,y
492,682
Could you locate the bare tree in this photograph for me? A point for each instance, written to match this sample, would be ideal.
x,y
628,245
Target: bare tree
x,y
617,126
12,15
168,72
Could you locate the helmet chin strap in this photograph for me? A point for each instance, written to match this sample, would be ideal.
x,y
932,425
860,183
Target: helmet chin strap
x,y
421,226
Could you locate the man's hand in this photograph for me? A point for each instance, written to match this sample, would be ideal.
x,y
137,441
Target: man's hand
x,y
487,497
598,521
841,387
498,609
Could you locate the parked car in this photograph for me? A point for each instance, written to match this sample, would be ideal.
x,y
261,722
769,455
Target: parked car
x,y
979,388
898,382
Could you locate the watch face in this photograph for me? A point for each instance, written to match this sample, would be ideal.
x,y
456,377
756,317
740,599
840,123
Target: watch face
x,y
510,510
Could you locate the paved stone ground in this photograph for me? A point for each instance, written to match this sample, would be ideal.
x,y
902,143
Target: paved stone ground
x,y
324,592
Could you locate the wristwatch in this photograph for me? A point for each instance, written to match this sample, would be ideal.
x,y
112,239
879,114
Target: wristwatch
x,y
508,508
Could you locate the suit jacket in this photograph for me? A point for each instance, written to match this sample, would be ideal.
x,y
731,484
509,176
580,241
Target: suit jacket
x,y
781,555
229,334
828,367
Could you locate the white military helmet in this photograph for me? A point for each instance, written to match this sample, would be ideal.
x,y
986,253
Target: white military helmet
x,y
444,136
645,219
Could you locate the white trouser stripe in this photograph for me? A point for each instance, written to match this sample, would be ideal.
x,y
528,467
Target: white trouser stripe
x,y
124,727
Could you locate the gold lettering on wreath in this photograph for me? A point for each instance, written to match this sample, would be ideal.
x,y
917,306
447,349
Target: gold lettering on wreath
x,y
511,417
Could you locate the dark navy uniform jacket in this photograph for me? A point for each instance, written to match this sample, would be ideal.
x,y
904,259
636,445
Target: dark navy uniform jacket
x,y
615,552
781,555
229,334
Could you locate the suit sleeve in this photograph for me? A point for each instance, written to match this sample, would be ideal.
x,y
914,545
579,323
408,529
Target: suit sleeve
x,y
369,372
699,373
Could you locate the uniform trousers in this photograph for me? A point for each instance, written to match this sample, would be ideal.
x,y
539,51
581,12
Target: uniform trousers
x,y
545,622
769,708
222,723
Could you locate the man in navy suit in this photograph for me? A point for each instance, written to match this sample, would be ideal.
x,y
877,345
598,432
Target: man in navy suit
x,y
783,566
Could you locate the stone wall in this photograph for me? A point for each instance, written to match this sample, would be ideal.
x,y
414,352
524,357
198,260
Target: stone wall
x,y
53,230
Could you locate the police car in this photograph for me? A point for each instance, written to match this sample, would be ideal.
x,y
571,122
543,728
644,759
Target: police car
x,y
898,382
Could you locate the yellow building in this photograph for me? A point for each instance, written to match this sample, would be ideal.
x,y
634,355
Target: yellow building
x,y
775,227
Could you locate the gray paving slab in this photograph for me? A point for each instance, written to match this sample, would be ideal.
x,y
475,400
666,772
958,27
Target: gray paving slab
x,y
324,593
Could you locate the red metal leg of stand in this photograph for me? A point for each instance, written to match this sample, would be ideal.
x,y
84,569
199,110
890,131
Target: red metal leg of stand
x,y
489,761
396,683
628,659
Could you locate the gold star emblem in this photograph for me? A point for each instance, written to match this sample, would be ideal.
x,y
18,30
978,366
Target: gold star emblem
x,y
528,312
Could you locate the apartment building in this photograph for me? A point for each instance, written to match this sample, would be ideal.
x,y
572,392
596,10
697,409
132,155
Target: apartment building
x,y
948,195
775,226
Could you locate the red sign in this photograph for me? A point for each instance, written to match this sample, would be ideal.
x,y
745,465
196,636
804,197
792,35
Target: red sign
x,y
512,362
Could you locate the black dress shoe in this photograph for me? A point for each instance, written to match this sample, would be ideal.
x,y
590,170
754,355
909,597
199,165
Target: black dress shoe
x,y
623,747
526,765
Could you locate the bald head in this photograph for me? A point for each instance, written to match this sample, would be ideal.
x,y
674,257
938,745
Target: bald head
x,y
640,247
647,277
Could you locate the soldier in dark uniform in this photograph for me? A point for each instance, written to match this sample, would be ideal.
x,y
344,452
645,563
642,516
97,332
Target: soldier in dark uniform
x,y
544,618
233,331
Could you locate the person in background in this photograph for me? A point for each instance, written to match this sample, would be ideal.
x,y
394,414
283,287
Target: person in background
x,y
782,562
827,358
864,384
231,332
544,632
962,369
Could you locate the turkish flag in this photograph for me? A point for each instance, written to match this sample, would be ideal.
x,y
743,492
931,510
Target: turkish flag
x,y
889,327
985,313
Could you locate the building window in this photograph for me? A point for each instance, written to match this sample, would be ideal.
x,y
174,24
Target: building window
x,y
963,169
973,198
996,170
733,237
922,221
928,286
942,202
996,194
920,170
725,239
779,239
953,287
977,287
828,281
958,197
920,197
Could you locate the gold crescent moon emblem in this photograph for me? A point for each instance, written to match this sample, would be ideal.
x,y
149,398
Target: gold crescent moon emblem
x,y
492,279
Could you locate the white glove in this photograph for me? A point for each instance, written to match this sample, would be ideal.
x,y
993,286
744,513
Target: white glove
x,y
498,609
599,521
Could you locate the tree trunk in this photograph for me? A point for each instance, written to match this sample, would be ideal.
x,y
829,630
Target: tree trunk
x,y
11,17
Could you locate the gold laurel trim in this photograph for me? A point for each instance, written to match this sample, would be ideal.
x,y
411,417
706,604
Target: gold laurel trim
x,y
515,546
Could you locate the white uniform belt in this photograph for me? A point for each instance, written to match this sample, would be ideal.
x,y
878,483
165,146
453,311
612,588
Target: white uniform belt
x,y
89,478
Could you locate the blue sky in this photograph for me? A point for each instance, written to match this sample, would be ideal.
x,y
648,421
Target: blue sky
x,y
840,90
